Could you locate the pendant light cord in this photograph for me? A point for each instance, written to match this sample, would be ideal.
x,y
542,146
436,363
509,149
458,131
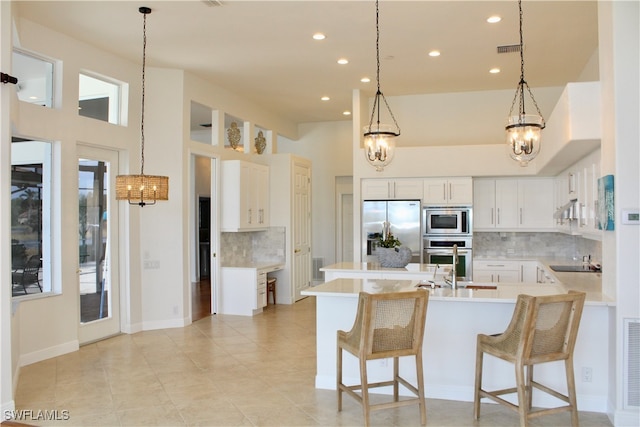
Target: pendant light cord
x,y
523,83
145,12
379,94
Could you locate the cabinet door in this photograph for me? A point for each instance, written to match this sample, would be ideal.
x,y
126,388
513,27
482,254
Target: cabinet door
x,y
236,199
506,203
406,189
482,276
484,202
262,196
507,276
460,191
529,272
375,189
535,200
435,191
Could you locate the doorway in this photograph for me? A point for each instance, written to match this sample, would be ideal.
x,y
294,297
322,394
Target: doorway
x,y
203,265
98,286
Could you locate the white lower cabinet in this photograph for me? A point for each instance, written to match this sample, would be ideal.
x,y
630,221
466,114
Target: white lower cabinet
x,y
497,271
243,290
520,271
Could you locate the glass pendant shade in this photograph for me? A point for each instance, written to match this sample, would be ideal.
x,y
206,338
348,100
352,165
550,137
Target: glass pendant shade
x,y
379,145
523,137
523,130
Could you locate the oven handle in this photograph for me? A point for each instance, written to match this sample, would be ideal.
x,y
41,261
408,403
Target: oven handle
x,y
441,251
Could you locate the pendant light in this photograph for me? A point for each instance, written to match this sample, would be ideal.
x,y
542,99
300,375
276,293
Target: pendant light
x,y
142,189
379,139
523,130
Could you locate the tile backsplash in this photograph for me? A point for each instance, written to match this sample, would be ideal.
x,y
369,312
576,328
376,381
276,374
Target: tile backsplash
x,y
552,245
254,246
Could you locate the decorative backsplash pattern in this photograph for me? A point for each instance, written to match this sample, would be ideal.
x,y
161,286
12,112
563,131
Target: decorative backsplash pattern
x,y
255,246
552,245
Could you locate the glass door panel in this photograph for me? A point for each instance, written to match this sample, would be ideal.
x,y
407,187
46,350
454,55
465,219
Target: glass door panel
x,y
97,235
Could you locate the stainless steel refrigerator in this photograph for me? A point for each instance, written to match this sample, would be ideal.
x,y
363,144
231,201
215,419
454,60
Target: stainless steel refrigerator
x,y
405,219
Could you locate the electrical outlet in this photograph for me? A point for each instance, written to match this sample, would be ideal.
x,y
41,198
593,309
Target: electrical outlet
x,y
587,374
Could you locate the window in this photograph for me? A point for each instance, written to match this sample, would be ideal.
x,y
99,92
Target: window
x,y
35,78
100,99
30,217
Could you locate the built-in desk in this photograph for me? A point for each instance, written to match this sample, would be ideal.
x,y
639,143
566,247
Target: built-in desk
x,y
454,318
243,289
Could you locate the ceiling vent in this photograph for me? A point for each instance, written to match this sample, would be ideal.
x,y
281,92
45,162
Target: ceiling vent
x,y
510,48
213,3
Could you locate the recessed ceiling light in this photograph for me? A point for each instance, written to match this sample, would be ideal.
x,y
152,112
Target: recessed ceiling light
x,y
325,98
493,19
346,113
365,80
434,53
319,36
494,70
343,61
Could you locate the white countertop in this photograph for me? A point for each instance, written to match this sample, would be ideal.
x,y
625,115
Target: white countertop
x,y
410,268
504,292
271,266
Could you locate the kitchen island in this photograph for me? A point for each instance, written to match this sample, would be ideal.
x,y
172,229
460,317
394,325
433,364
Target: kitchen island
x,y
454,318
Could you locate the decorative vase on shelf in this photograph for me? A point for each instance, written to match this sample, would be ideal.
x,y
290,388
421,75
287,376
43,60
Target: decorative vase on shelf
x,y
233,135
393,257
261,142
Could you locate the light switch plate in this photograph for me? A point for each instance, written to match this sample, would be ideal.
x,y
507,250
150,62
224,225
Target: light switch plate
x,y
631,216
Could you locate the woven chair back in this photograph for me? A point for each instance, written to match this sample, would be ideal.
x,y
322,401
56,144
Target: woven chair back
x,y
392,323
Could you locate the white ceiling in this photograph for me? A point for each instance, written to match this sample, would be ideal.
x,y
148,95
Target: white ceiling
x,y
264,50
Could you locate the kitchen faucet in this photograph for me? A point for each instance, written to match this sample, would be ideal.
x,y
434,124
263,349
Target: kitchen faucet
x,y
454,274
453,281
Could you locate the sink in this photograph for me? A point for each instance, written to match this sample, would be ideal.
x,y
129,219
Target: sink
x,y
477,286
429,284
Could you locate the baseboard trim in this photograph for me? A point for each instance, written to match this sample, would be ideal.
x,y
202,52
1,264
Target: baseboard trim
x,y
48,353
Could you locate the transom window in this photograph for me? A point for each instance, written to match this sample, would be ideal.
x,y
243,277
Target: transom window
x,y
35,78
100,98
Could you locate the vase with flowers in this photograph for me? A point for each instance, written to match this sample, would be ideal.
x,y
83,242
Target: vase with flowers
x,y
390,251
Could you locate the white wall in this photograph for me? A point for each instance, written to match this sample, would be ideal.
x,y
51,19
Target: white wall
x,y
620,55
65,128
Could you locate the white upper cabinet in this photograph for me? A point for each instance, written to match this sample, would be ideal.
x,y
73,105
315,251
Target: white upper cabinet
x,y
580,182
524,204
245,196
448,191
535,203
388,189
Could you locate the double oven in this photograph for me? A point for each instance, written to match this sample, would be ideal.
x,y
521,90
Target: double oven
x,y
443,228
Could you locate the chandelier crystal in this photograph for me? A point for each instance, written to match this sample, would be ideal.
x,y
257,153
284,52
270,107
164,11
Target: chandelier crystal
x,y
379,139
523,130
142,189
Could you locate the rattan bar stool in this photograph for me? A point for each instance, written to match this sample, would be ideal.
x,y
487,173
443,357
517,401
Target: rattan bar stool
x,y
386,325
542,329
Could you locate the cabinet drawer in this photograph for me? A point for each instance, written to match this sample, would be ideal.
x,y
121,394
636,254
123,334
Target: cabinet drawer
x,y
496,265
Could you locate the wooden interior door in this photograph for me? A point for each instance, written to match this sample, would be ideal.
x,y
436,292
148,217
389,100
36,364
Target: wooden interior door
x,y
301,228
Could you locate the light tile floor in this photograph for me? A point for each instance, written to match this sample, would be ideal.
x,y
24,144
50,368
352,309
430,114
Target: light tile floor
x,y
223,371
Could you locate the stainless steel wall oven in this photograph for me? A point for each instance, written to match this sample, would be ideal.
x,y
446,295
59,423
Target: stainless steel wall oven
x,y
439,250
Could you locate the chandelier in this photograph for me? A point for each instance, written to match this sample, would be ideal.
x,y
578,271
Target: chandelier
x,y
142,189
379,139
523,130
